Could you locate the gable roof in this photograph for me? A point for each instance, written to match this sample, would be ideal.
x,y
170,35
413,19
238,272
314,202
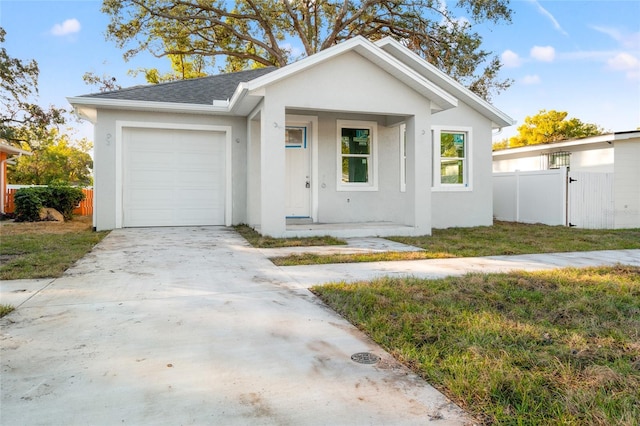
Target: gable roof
x,y
439,97
430,72
231,93
198,91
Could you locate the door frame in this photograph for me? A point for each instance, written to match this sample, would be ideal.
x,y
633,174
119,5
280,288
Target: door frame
x,y
311,122
119,161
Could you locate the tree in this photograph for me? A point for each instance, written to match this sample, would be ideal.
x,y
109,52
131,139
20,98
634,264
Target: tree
x,y
549,127
55,160
104,83
19,116
250,33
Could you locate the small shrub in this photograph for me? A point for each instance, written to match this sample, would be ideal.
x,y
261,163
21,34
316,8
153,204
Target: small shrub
x,y
64,199
29,201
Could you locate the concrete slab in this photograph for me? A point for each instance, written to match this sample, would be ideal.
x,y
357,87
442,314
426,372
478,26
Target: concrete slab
x,y
191,326
353,246
308,276
16,292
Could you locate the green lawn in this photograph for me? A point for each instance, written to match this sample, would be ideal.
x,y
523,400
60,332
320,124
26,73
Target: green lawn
x,y
43,255
503,238
544,348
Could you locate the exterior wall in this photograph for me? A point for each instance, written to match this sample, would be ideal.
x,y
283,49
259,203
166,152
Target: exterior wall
x,y
375,98
473,206
627,184
3,180
583,159
105,172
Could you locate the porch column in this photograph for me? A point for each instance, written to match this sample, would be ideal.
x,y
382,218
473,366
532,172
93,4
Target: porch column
x,y
419,172
272,170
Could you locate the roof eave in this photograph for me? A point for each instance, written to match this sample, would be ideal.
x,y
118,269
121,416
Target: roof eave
x,y
217,107
498,118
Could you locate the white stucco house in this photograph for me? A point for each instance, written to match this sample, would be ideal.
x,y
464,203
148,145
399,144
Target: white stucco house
x,y
360,139
602,186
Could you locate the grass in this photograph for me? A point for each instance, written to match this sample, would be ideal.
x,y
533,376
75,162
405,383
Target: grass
x,y
257,240
6,309
43,250
555,347
503,238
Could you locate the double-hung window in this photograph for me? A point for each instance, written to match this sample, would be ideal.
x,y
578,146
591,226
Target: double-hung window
x,y
451,154
357,151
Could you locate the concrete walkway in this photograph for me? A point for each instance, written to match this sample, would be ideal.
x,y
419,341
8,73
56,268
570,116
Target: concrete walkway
x,y
192,326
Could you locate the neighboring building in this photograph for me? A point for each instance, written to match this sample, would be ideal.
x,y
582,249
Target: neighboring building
x,y
604,172
360,139
8,154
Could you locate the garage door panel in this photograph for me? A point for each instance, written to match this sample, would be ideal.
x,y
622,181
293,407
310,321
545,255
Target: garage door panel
x,y
173,177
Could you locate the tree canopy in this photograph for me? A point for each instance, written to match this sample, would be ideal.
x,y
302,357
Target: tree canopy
x,y
254,33
20,117
549,127
55,159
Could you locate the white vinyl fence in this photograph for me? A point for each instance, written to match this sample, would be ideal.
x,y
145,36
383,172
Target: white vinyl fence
x,y
531,197
591,200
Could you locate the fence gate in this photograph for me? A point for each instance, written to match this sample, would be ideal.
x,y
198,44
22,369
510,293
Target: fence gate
x,y
591,203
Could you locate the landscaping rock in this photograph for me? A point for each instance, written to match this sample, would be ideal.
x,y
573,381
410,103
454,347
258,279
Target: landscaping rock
x,y
52,215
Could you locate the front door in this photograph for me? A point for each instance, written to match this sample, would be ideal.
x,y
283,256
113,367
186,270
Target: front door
x,y
298,176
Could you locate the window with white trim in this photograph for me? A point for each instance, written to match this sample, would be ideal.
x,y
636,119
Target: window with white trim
x,y
451,154
357,152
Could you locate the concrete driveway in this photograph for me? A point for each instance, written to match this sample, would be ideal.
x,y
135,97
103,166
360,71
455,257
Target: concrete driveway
x,y
182,326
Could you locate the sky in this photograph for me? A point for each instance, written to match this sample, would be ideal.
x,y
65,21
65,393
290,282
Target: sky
x,y
578,56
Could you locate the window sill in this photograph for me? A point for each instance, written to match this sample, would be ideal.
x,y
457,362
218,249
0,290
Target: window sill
x,y
452,188
356,188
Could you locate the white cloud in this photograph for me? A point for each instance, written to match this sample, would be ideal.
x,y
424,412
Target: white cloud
x,y
627,63
543,53
510,59
549,16
69,26
627,40
531,79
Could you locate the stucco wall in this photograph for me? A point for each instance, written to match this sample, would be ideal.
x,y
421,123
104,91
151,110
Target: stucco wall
x,y
362,91
105,158
583,159
627,184
473,207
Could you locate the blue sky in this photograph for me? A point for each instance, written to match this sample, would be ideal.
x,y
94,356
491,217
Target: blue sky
x,y
578,56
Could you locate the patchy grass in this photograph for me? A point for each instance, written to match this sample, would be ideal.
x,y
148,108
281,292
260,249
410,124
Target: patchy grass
x,y
258,240
319,259
6,310
44,249
553,347
510,238
503,238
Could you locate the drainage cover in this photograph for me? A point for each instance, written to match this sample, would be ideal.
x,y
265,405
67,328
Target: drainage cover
x,y
365,358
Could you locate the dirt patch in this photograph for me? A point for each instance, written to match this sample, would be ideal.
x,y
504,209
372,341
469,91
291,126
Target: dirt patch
x,y
78,224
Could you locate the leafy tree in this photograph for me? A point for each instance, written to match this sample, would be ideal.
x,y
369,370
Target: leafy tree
x,y
55,160
549,127
105,83
19,116
250,33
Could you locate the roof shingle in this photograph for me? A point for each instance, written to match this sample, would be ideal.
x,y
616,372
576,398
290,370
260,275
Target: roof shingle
x,y
201,91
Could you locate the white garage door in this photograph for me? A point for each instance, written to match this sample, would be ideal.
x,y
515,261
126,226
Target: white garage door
x,y
173,177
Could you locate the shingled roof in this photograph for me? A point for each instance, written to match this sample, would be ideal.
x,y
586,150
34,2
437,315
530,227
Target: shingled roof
x,y
201,91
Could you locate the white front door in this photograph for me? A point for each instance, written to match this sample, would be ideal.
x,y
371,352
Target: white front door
x,y
298,175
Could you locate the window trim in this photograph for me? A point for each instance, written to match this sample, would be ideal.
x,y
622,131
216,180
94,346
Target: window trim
x,y
437,178
372,171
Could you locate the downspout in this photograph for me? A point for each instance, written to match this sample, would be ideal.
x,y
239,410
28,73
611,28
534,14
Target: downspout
x,y
3,165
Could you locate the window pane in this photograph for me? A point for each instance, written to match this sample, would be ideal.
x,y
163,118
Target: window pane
x,y
452,171
294,137
356,141
355,169
452,145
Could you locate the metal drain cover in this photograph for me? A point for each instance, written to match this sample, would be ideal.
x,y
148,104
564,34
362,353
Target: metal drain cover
x,y
365,358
